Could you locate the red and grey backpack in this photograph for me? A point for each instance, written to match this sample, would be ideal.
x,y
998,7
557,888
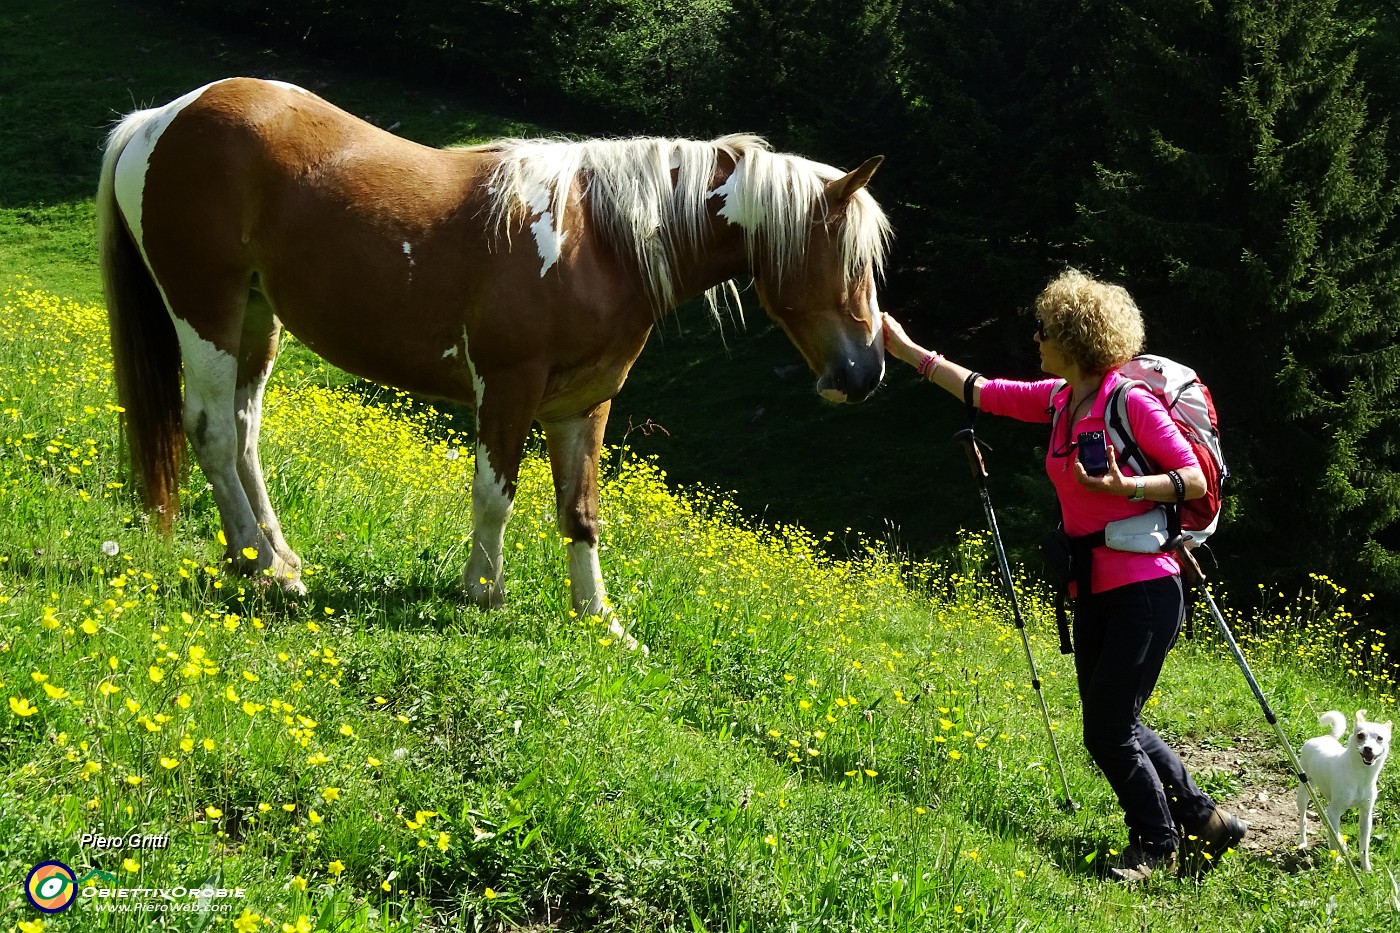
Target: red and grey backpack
x,y
1188,401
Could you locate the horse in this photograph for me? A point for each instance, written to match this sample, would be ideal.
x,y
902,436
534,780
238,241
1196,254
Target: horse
x,y
519,277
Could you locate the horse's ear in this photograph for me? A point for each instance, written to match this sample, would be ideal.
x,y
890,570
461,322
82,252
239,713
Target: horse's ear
x,y
841,190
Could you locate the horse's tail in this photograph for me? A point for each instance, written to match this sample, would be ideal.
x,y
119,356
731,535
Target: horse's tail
x,y
145,349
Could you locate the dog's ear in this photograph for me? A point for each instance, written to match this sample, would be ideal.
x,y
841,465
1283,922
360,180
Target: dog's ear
x,y
1360,717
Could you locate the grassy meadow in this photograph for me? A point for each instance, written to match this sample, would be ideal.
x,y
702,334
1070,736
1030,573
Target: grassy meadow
x,y
812,743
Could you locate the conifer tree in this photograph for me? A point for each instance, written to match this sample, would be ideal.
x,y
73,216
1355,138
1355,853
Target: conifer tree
x,y
1247,199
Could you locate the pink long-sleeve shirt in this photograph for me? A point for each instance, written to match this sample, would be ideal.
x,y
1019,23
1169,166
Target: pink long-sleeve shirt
x,y
1084,510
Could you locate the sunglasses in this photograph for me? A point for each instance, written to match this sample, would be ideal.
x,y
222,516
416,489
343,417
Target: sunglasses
x,y
1040,330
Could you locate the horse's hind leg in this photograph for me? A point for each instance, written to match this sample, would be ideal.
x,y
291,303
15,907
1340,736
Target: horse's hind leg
x,y
257,350
575,445
211,423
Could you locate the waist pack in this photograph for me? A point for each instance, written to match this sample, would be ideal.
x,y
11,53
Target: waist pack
x,y
1069,558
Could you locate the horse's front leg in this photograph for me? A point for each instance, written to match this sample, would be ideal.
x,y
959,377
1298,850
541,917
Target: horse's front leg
x,y
505,411
575,445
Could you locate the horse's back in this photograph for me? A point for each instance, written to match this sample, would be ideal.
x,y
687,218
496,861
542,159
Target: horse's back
x,y
342,226
281,141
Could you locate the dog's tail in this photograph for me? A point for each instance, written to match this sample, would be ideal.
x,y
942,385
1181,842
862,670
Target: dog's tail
x,y
1334,721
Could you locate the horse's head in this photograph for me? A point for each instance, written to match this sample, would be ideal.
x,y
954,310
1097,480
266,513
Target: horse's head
x,y
824,299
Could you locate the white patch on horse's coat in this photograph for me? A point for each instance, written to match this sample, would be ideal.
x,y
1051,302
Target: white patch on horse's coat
x,y
202,355
731,210
478,384
491,508
588,595
549,241
408,251
129,177
877,321
586,579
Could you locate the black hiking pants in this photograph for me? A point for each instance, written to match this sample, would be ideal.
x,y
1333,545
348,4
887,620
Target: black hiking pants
x,y
1121,639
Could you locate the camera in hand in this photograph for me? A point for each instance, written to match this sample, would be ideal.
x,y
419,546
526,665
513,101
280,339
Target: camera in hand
x,y
1093,452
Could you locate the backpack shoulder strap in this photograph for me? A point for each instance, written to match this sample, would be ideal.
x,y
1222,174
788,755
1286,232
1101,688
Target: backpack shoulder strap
x,y
1055,413
1120,428
1116,419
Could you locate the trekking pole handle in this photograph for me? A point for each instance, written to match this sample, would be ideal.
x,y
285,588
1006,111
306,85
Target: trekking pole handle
x,y
1184,554
968,438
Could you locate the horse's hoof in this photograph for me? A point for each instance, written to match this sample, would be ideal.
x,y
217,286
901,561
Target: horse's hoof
x,y
287,575
287,581
485,595
625,638
292,585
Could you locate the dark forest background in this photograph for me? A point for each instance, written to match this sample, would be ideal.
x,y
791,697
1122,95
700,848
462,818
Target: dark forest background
x,y
1230,161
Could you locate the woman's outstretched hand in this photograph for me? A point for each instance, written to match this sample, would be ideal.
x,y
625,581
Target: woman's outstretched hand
x,y
897,342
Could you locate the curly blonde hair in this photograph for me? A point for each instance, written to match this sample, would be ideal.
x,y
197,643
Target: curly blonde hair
x,y
1097,324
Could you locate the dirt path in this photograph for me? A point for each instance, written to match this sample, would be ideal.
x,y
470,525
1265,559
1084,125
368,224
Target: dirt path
x,y
1251,778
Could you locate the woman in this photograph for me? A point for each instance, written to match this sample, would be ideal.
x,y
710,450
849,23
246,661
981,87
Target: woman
x,y
1124,627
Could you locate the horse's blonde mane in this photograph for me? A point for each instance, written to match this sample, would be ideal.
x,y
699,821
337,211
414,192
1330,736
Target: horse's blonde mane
x,y
775,197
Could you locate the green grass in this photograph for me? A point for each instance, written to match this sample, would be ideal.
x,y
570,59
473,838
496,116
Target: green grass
x,y
812,743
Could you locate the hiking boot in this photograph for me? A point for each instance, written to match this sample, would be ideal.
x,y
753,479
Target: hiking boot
x,y
1202,845
1138,863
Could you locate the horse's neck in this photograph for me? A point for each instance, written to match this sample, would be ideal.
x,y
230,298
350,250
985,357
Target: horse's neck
x,y
718,259
722,254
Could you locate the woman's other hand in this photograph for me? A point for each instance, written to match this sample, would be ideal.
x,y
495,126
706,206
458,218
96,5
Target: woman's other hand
x,y
1113,482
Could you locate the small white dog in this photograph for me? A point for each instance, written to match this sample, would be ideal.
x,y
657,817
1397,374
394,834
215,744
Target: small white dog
x,y
1345,775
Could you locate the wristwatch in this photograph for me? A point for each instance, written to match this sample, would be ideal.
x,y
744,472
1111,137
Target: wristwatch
x,y
1140,492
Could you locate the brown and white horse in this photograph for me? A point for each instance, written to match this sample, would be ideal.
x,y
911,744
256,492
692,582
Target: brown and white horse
x,y
519,277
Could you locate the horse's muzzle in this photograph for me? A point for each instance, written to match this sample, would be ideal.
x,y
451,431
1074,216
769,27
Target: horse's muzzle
x,y
851,382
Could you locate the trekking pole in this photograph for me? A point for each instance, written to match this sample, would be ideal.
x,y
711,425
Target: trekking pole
x,y
968,438
1333,839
